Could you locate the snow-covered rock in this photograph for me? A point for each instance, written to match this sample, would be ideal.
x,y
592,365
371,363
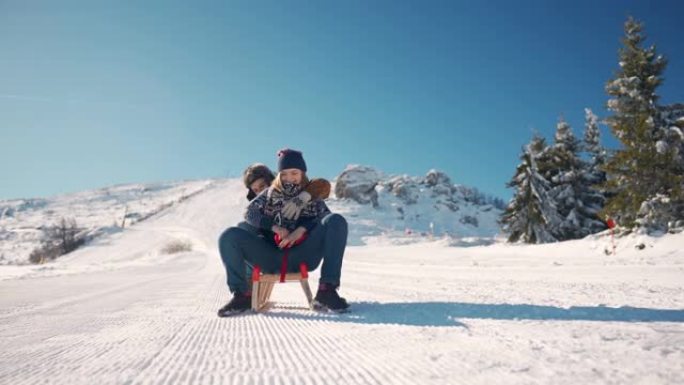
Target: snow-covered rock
x,y
358,183
437,178
413,208
405,188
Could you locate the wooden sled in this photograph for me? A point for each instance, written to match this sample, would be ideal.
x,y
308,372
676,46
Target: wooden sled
x,y
262,286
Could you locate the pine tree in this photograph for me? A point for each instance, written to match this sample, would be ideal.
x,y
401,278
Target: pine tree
x,y
672,126
593,148
570,186
530,216
645,167
564,175
594,177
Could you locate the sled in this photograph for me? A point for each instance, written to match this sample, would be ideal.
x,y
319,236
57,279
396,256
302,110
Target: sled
x,y
262,286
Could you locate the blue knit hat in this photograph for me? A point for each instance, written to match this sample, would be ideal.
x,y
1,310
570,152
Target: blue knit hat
x,y
288,158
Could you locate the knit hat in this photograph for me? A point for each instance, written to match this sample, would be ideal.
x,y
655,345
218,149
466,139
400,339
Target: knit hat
x,y
255,172
288,158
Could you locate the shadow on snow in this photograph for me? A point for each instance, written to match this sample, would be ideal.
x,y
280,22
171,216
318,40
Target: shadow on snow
x,y
449,313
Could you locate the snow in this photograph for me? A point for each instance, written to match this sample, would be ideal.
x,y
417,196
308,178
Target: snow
x,y
96,211
119,311
438,209
661,147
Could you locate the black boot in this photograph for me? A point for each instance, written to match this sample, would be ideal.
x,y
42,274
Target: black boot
x,y
237,305
328,299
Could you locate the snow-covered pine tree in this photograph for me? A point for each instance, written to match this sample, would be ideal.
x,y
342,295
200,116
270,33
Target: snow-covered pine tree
x,y
530,216
594,197
592,146
563,174
570,186
646,167
671,123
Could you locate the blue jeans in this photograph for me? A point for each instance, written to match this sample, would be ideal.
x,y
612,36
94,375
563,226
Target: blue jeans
x,y
241,246
244,225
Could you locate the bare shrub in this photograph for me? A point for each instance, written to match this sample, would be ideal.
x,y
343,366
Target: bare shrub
x,y
59,239
177,246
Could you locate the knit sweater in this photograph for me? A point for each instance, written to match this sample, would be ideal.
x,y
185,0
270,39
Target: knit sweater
x,y
265,210
317,187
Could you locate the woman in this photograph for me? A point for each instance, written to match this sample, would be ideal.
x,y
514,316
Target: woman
x,y
325,232
259,177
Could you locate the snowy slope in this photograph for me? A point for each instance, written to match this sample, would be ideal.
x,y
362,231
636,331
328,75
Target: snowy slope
x,y
102,211
121,312
95,212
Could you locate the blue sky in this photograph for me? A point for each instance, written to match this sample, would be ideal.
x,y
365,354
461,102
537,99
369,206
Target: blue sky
x,y
97,93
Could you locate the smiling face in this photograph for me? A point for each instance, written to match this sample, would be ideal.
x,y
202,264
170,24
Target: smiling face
x,y
258,186
291,175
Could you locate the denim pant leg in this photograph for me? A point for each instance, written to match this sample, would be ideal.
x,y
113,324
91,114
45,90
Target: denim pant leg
x,y
246,226
238,246
326,242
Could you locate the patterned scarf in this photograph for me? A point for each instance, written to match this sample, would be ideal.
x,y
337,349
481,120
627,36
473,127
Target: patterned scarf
x,y
291,189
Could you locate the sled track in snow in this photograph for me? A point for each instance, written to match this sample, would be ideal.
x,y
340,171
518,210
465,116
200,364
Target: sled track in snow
x,y
158,325
161,328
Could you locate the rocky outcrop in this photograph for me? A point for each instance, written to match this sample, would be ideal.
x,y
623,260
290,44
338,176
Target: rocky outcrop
x,y
358,183
437,178
404,188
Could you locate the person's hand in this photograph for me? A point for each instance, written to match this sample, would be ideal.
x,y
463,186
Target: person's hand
x,y
294,206
281,231
292,238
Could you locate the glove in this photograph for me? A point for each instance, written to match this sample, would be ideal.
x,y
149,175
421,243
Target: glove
x,y
294,206
290,241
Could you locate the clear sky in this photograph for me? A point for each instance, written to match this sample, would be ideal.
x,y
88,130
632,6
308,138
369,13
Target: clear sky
x,y
96,93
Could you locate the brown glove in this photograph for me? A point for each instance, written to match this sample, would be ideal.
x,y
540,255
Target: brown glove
x,y
319,188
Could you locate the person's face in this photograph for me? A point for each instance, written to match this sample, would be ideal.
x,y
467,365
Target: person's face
x,y
258,186
291,175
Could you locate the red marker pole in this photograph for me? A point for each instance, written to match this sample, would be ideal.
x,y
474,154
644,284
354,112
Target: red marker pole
x,y
611,226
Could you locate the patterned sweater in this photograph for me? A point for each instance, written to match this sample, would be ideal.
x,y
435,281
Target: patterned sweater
x,y
265,210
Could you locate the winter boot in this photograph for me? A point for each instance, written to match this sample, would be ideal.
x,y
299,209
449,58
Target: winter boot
x,y
237,305
327,299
